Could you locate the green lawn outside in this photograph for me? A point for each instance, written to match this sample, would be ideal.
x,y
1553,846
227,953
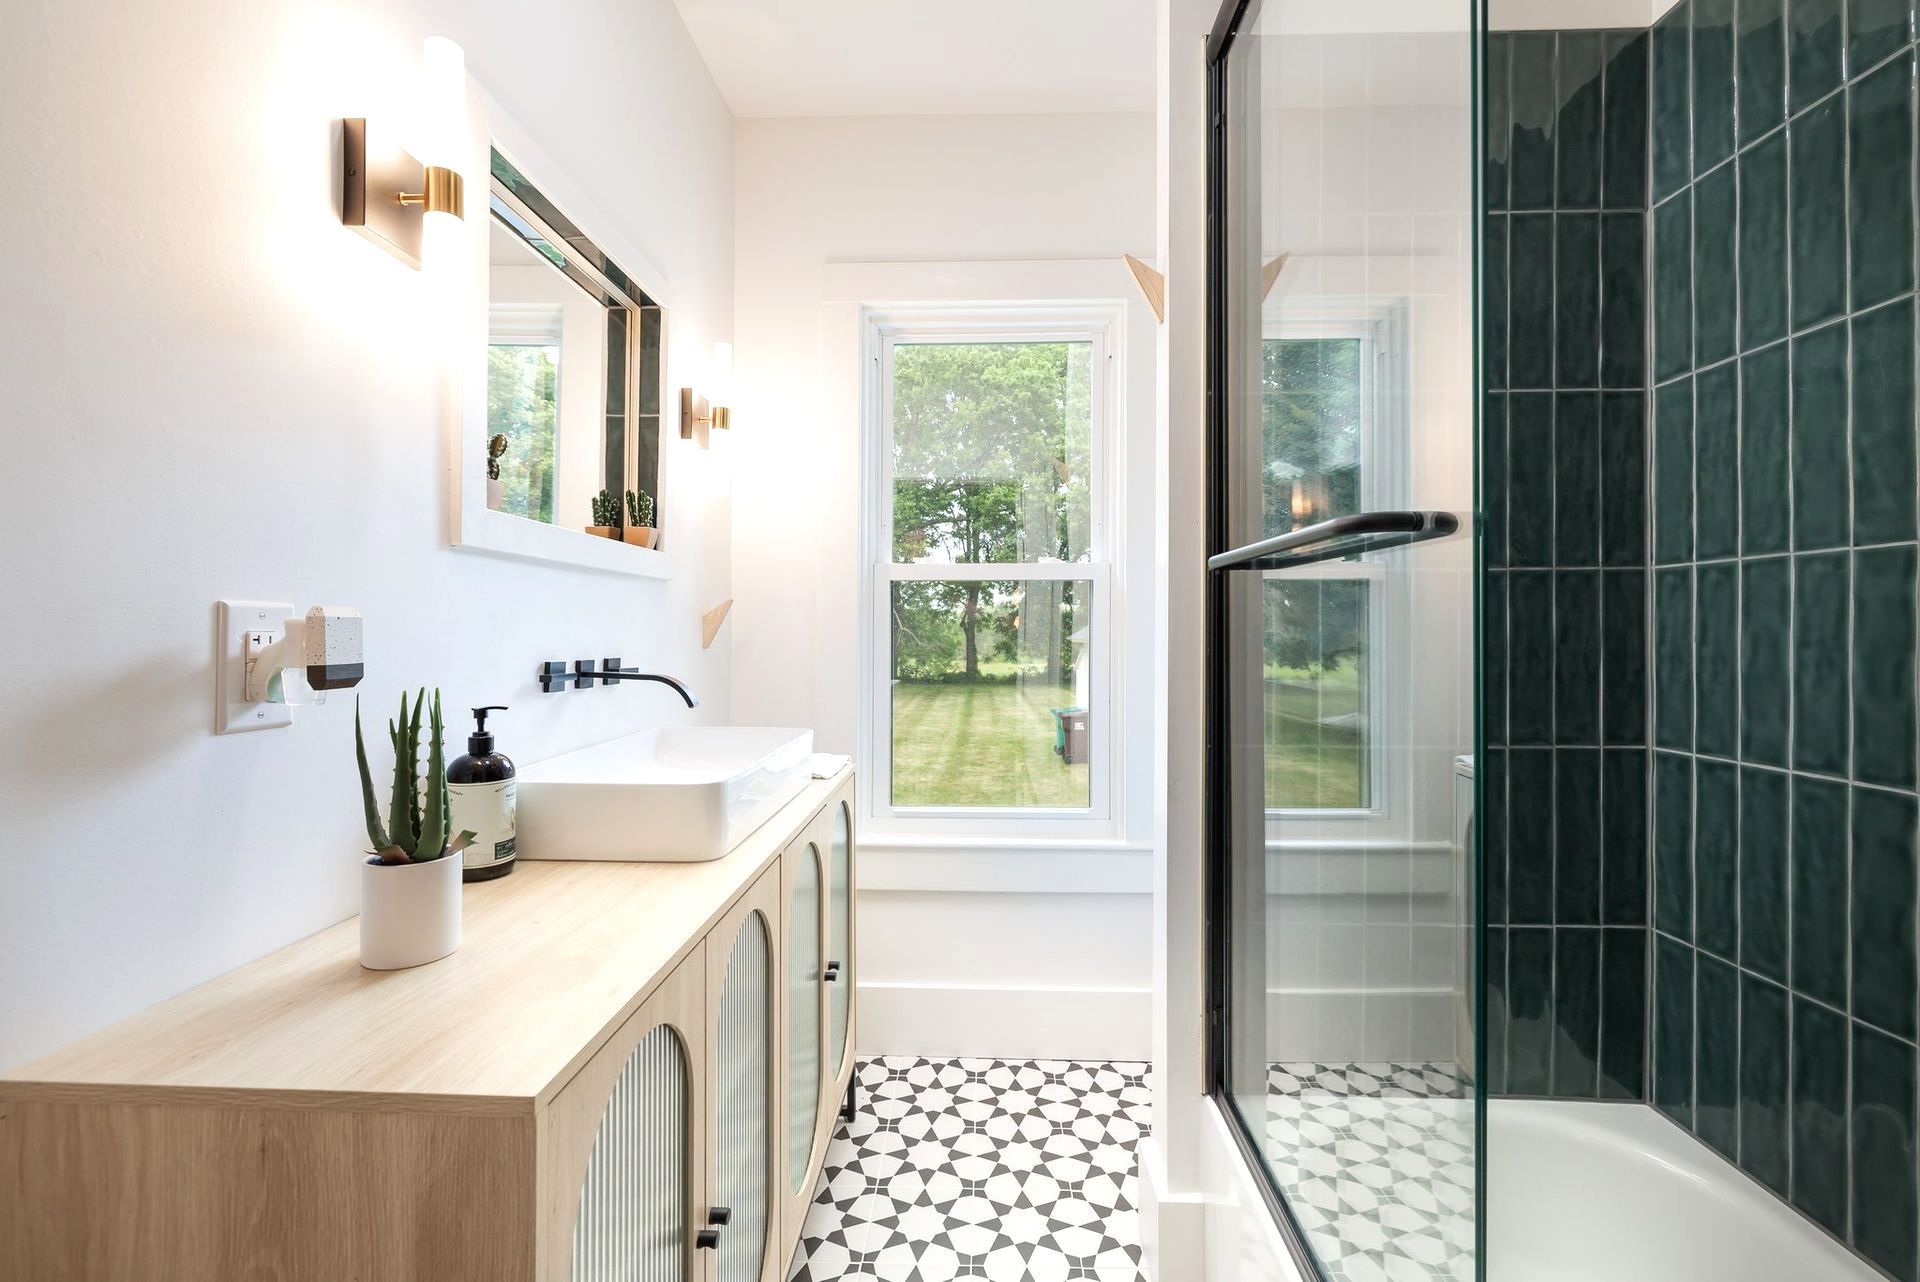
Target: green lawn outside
x,y
990,743
987,743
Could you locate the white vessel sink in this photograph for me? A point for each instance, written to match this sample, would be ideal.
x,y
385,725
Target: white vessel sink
x,y
683,793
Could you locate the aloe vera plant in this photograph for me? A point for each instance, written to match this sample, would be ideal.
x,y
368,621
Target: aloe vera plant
x,y
416,829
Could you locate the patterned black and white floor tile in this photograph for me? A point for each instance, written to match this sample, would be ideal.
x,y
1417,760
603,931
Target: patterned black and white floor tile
x,y
1377,1164
1008,1171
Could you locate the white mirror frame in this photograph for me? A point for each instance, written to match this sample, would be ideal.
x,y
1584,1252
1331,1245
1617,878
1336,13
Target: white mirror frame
x,y
474,526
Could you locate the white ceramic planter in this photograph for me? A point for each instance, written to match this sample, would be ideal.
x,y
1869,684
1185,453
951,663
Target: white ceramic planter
x,y
409,913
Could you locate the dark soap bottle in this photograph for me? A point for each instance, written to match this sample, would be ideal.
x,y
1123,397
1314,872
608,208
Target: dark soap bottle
x,y
480,793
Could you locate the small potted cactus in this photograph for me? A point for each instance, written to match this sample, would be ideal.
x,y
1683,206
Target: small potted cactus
x,y
640,531
606,515
496,489
410,883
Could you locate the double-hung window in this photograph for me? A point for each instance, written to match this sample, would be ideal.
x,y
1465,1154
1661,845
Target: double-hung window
x,y
1332,417
988,653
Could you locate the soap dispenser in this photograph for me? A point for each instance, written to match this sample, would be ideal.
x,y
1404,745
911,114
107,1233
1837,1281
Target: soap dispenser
x,y
480,793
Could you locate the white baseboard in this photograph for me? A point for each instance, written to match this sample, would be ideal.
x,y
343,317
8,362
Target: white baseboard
x,y
1006,1022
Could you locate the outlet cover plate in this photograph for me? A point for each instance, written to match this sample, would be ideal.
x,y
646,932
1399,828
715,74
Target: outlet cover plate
x,y
233,712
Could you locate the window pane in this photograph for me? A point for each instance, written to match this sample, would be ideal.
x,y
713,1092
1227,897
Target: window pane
x,y
523,383
990,689
991,450
1312,410
1317,699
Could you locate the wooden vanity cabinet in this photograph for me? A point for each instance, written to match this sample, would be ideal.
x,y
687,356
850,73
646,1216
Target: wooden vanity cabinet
x,y
608,1058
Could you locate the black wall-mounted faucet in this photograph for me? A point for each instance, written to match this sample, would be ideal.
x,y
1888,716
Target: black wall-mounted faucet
x,y
554,677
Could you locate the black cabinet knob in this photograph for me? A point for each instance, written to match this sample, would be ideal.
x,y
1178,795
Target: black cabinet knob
x,y
832,973
707,1239
722,1215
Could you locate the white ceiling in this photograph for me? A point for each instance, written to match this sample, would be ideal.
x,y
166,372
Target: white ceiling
x,y
926,57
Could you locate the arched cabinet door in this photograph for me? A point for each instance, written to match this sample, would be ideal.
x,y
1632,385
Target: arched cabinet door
x,y
840,942
743,1160
803,889
624,1168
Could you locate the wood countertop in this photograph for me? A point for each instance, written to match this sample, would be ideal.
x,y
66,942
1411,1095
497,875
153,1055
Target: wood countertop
x,y
552,960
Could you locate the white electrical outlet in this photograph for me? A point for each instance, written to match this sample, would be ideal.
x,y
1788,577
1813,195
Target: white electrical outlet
x,y
237,622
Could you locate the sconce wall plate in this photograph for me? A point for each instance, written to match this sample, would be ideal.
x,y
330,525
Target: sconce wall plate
x,y
695,417
386,195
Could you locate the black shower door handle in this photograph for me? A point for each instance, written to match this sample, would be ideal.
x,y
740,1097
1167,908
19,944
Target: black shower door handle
x,y
1338,537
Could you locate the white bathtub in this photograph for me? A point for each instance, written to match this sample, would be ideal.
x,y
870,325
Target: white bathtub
x,y
1581,1192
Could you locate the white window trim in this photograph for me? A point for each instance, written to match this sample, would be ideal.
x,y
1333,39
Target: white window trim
x,y
882,328
1385,447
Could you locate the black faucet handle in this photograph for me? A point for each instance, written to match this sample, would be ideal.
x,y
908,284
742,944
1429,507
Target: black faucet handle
x,y
553,676
613,665
583,674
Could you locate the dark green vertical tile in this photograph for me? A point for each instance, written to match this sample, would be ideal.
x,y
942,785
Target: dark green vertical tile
x,y
1715,220
1576,1013
1763,243
1673,844
1818,199
1880,173
1875,28
1576,478
1623,790
1766,500
1763,872
1577,300
1717,659
1716,429
1763,1082
1672,157
1623,1014
1496,1010
1819,1113
1818,905
1623,478
1493,477
1716,857
1882,932
1819,439
1493,832
1499,122
1530,656
1716,1087
1673,287
1493,310
1766,591
1762,74
1814,49
1884,1152
1623,300
1530,146
1576,665
1624,170
1883,666
1883,424
1493,611
1530,836
1623,630
1577,837
1673,658
1529,1010
1673,472
1820,663
1673,1029
1530,300
1530,478
1577,129
1712,83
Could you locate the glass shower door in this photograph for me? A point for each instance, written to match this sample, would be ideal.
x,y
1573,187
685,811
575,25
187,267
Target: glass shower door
x,y
1342,656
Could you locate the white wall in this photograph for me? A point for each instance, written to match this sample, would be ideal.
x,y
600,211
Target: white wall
x,y
217,390
928,200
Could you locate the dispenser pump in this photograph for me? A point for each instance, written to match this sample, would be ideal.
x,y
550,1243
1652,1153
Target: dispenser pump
x,y
480,743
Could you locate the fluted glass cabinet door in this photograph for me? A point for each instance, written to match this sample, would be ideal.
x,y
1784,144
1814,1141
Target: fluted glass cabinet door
x,y
743,1102
803,1012
632,1222
840,932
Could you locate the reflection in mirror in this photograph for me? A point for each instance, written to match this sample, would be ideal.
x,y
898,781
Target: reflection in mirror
x,y
573,359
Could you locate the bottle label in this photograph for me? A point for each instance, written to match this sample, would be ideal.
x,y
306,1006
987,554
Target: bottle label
x,y
488,811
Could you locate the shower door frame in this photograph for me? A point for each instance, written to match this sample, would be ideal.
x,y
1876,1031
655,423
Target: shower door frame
x,y
1234,17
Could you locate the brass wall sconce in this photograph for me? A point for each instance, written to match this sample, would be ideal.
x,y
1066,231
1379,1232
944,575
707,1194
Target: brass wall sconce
x,y
386,195
697,416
